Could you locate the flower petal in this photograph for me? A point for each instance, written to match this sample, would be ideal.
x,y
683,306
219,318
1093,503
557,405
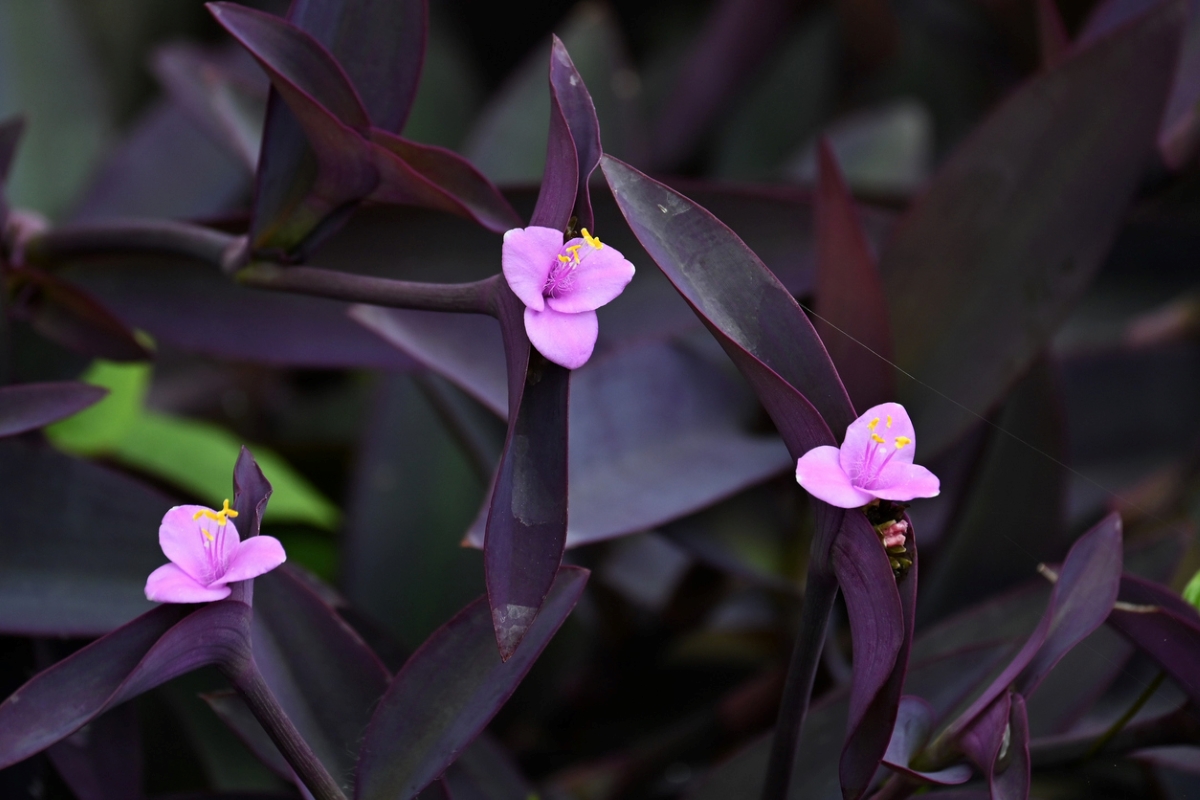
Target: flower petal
x,y
904,482
526,258
255,556
821,474
170,584
565,339
859,432
600,276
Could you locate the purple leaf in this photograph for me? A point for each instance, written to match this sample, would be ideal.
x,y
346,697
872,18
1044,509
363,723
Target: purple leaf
x,y
569,97
560,181
323,675
381,46
163,643
881,630
914,725
1083,595
32,405
233,322
751,314
439,178
251,491
1013,782
448,691
328,110
736,37
70,316
1164,626
1011,232
1053,40
80,542
103,760
1179,139
998,742
851,306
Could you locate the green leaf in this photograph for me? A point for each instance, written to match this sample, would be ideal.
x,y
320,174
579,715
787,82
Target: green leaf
x,y
193,455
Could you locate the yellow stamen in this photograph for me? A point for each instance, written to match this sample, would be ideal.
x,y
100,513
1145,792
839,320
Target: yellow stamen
x,y
592,240
889,420
901,441
221,516
574,250
873,424
563,258
207,535
876,437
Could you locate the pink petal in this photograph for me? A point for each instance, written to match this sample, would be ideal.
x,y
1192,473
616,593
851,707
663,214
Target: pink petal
x,y
526,258
565,339
820,473
255,556
600,276
170,584
858,437
182,539
905,482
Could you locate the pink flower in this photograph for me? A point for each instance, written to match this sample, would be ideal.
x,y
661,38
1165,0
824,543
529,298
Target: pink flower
x,y
562,285
207,555
893,533
875,462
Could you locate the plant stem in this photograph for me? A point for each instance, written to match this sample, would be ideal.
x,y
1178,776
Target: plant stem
x,y
1128,715
266,709
133,236
819,596
471,298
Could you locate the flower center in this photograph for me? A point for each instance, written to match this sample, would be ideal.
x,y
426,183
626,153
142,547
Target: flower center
x,y
871,466
562,273
214,544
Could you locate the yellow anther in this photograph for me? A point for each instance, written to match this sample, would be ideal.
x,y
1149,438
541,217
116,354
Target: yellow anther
x,y
207,535
873,424
221,516
592,240
574,250
901,441
876,437
563,258
889,420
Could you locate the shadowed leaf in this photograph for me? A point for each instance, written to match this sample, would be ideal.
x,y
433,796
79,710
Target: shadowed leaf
x,y
32,405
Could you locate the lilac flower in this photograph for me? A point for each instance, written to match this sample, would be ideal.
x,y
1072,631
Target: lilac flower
x,y
207,555
875,462
562,285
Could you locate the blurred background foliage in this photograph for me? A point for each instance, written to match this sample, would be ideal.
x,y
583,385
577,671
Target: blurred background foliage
x,y
379,474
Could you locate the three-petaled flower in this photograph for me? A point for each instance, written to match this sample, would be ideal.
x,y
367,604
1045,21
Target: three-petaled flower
x,y
562,284
207,555
875,462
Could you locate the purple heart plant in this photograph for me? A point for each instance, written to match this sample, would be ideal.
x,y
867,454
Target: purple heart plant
x,y
310,242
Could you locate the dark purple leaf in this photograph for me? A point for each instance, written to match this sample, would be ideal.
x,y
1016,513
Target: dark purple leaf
x,y
456,185
69,316
328,110
1011,232
78,545
752,315
851,307
1053,40
914,725
448,691
217,94
569,97
1083,594
32,405
1013,782
1179,138
486,771
736,37
1163,625
233,711
323,675
985,551
560,181
251,491
166,167
381,46
103,759
197,310
880,608
656,433
159,645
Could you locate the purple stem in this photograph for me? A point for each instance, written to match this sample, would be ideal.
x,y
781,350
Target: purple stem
x,y
469,298
266,709
819,596
134,236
